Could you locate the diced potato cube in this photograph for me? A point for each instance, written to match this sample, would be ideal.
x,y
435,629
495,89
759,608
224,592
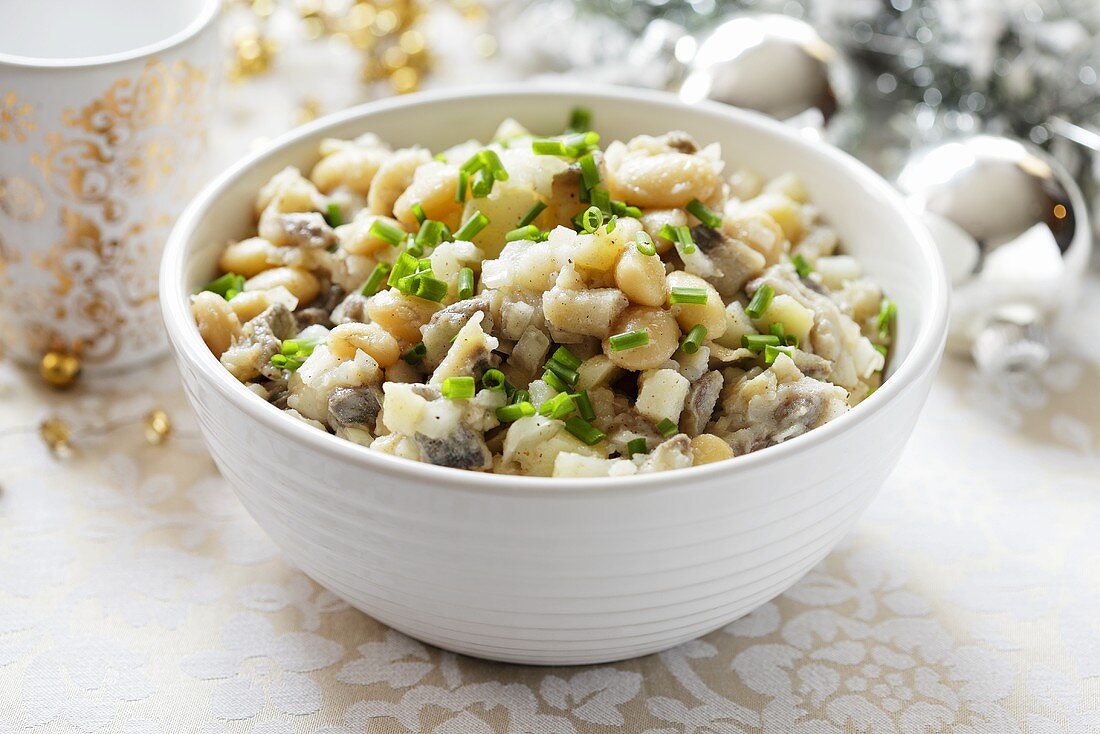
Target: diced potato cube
x,y
568,464
505,206
662,394
597,251
596,371
790,185
784,211
589,312
796,318
835,270
738,324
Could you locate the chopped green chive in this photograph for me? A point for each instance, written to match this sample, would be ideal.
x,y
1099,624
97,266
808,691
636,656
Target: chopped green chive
x,y
681,235
592,219
629,340
418,212
590,173
463,184
226,286
294,352
493,164
681,294
482,185
473,164
512,413
580,120
622,209
548,147
800,265
611,224
636,446
601,198
554,381
284,362
758,342
532,214
567,358
415,354
881,349
777,329
558,406
645,243
790,340
571,146
404,266
472,226
430,289
333,215
493,380
430,234
584,430
760,301
387,232
666,428
694,338
465,284
521,396
771,352
529,232
584,405
458,388
565,374
886,314
704,214
579,143
376,279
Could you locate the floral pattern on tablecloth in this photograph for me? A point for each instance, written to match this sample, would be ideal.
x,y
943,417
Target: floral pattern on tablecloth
x,y
137,596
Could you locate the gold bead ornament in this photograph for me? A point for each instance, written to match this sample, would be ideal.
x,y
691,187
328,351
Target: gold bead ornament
x,y
57,435
61,437
59,369
158,427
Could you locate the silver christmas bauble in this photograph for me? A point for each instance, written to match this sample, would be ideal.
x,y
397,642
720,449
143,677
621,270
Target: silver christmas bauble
x,y
773,64
1014,234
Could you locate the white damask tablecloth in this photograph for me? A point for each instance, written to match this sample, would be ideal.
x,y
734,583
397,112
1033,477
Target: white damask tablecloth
x,y
137,596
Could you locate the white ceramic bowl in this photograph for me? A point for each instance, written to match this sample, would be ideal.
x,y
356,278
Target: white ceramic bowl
x,y
551,571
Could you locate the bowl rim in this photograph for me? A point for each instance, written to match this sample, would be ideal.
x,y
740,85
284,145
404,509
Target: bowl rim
x,y
188,345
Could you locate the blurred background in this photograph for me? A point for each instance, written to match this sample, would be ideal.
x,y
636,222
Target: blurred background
x,y
877,77
985,113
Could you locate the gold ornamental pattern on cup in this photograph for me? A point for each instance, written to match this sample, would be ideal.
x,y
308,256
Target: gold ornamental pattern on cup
x,y
102,165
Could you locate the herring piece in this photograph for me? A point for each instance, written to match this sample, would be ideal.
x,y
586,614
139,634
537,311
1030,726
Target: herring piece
x,y
260,339
446,323
355,406
471,354
312,385
700,402
297,229
460,449
737,263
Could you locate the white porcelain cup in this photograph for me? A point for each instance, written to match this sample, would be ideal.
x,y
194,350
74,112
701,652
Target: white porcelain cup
x,y
103,121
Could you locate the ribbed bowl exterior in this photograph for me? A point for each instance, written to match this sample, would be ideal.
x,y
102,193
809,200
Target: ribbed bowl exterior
x,y
554,579
529,572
